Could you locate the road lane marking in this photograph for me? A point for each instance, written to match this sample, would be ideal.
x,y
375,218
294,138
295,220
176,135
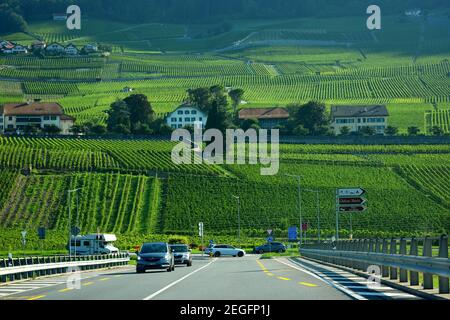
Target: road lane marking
x,y
88,284
36,297
178,281
65,290
270,274
284,279
308,284
330,282
104,279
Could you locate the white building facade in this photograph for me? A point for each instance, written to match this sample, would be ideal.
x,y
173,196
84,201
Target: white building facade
x,y
186,115
357,117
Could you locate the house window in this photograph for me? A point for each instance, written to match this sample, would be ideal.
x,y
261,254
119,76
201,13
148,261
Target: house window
x,y
10,118
187,119
180,119
10,126
194,112
53,118
174,119
193,119
359,120
174,126
200,119
46,118
180,126
186,112
180,111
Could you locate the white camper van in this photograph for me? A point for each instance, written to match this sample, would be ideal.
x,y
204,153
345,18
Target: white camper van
x,y
93,244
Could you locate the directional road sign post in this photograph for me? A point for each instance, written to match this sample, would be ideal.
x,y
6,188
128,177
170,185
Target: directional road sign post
x,y
349,200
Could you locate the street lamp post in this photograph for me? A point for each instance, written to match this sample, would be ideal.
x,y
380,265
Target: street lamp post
x,y
239,217
299,204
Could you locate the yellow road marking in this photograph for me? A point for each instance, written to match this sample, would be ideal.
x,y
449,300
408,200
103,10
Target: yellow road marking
x,y
36,298
65,290
308,284
87,284
270,274
283,278
104,279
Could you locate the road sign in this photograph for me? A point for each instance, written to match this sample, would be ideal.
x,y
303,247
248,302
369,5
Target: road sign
x,y
292,233
41,233
305,226
200,229
351,192
270,239
352,208
352,201
269,232
24,234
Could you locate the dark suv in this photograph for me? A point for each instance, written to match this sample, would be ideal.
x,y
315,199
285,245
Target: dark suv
x,y
271,247
155,255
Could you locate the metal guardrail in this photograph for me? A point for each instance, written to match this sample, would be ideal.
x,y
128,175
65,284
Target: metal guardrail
x,y
29,267
391,255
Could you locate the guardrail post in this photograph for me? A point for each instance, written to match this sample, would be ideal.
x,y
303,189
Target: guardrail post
x,y
384,269
427,252
403,272
393,250
443,253
414,251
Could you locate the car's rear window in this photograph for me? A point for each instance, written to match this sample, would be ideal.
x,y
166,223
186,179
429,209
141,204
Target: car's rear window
x,y
179,248
154,248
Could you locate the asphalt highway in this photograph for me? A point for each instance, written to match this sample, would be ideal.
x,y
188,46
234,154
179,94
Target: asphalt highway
x,y
247,278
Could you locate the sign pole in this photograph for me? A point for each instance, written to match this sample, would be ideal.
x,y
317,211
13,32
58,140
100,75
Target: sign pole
x,y
337,215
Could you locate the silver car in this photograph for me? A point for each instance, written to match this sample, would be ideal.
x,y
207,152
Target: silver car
x,y
155,255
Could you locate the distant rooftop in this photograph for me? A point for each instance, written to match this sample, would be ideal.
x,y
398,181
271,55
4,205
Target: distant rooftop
x,y
359,111
263,113
32,108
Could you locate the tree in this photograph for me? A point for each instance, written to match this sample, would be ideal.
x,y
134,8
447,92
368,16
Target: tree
x,y
217,117
367,131
311,116
98,129
119,117
413,131
344,131
51,129
247,123
437,131
236,96
77,129
300,130
139,108
200,97
391,131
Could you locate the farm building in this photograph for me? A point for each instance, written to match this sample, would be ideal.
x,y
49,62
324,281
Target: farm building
x,y
18,116
38,45
356,117
90,48
268,118
186,115
71,50
55,48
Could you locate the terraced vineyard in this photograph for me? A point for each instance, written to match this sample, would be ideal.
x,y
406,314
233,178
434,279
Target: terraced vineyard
x,y
107,201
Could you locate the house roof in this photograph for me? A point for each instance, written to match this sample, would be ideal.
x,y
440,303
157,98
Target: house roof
x,y
32,108
263,113
359,111
187,105
67,117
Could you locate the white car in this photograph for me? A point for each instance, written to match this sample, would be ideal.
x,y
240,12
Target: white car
x,y
224,250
